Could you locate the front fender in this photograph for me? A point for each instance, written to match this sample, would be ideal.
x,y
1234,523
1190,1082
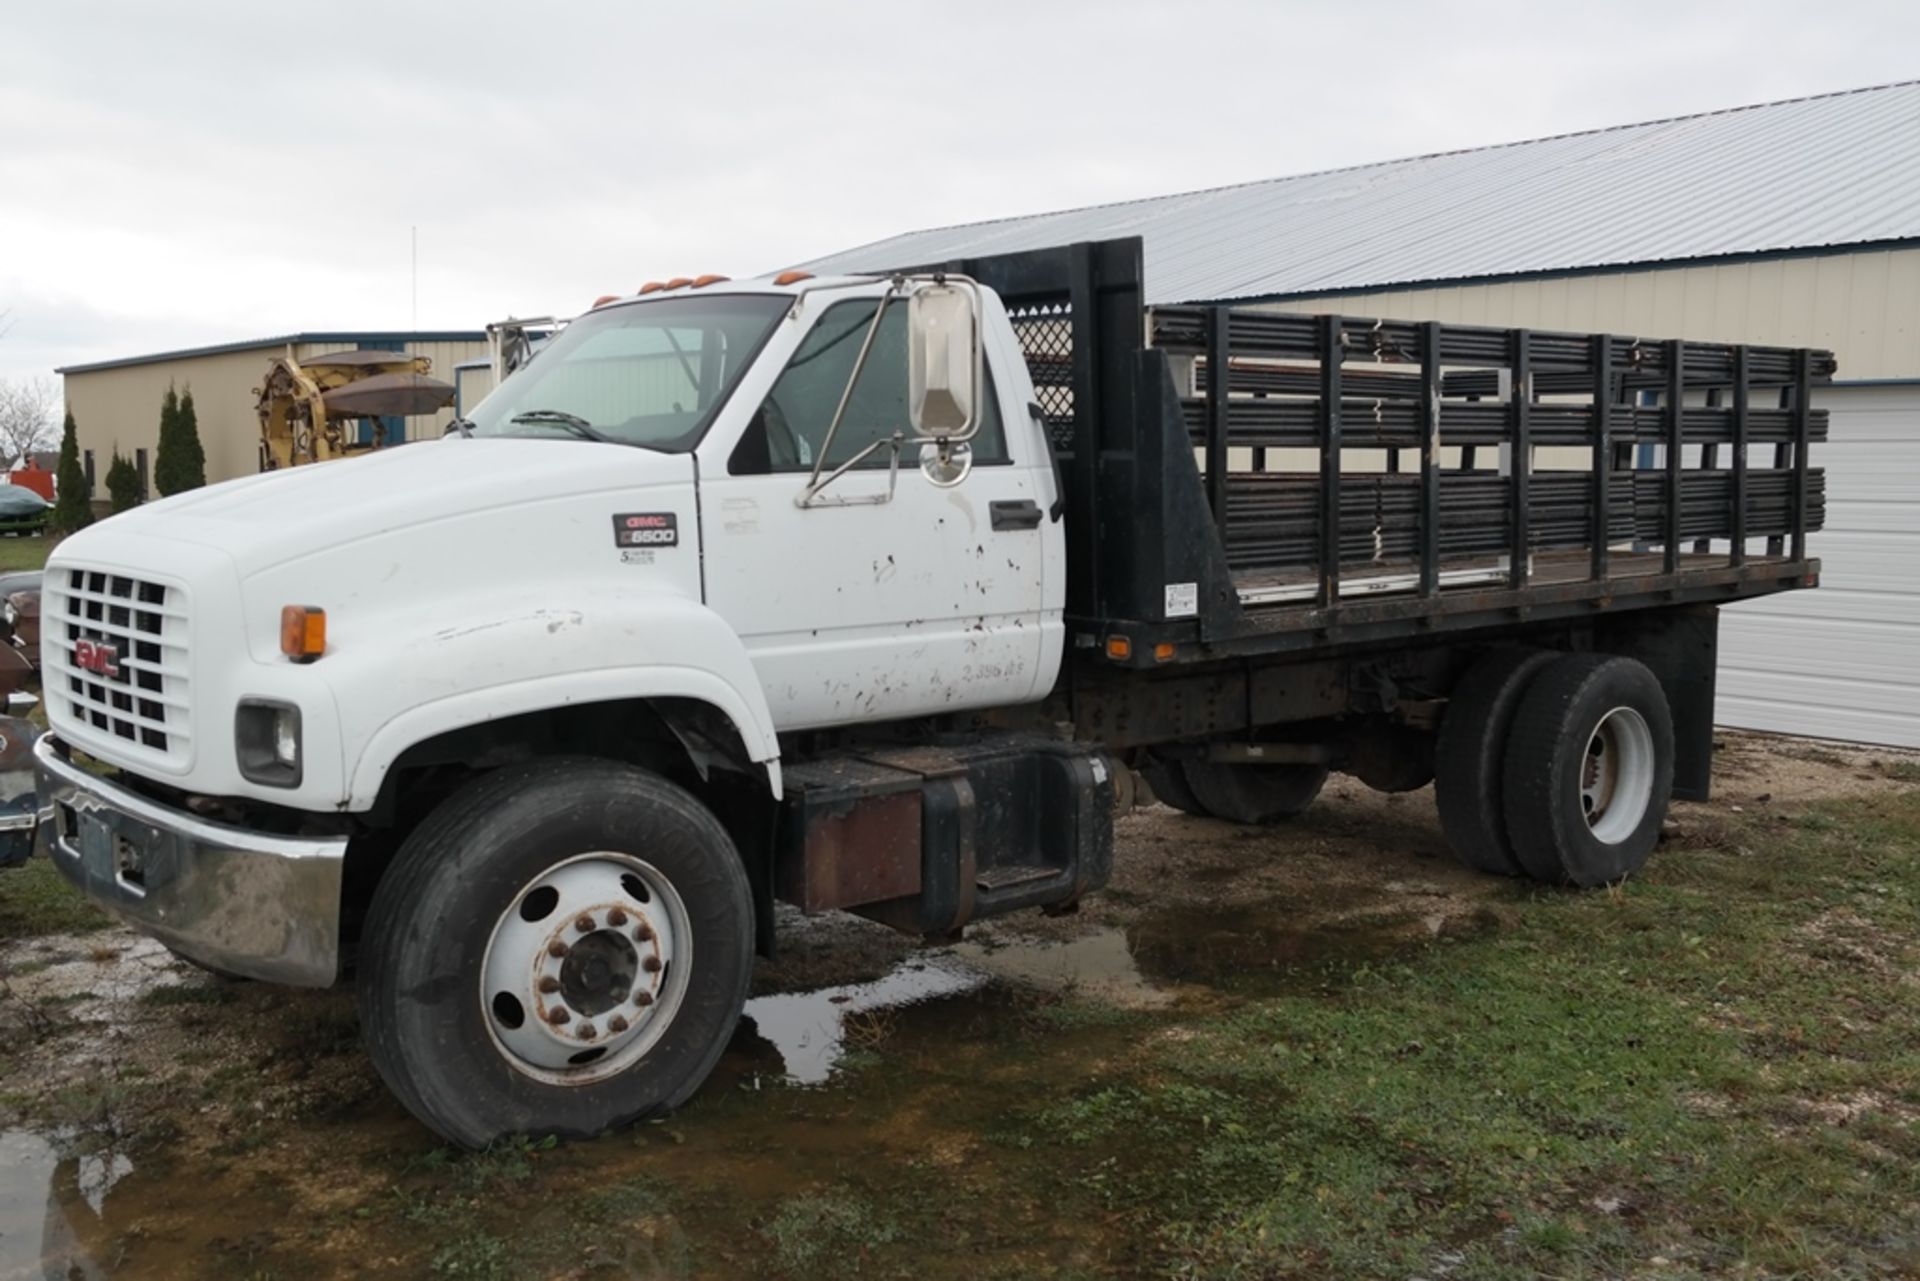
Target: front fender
x,y
435,678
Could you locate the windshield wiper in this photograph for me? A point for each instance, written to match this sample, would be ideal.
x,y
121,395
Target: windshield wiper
x,y
573,423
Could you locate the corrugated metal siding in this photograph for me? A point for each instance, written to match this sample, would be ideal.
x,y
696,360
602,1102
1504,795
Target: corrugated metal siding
x,y
1863,306
1839,169
1843,661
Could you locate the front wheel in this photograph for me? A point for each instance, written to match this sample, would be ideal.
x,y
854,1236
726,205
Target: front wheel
x,y
561,948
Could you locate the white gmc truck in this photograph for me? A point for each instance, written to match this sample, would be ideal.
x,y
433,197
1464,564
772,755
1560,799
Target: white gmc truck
x,y
862,593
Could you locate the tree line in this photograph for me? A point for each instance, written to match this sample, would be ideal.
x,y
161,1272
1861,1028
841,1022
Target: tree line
x,y
179,464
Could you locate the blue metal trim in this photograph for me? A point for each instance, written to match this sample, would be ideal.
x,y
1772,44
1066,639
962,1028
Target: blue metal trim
x,y
342,337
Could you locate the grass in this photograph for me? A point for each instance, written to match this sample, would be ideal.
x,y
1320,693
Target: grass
x,y
28,552
1718,1066
35,900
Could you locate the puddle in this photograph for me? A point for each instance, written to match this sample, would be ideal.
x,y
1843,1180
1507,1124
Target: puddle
x,y
49,1204
809,1030
810,1033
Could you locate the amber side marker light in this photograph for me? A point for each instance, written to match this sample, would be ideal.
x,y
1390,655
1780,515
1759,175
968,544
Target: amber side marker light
x,y
652,287
1163,652
701,282
679,282
303,632
792,277
603,300
1119,648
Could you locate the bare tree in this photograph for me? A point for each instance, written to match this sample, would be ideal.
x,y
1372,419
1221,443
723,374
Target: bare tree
x,y
26,419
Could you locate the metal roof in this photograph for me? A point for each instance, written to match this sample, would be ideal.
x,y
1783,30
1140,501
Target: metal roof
x,y
310,337
1811,173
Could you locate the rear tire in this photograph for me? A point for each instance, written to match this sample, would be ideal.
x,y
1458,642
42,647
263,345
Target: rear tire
x,y
1589,770
1169,784
1255,794
1470,757
562,947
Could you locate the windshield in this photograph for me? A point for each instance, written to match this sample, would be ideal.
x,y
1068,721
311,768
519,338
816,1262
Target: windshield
x,y
651,374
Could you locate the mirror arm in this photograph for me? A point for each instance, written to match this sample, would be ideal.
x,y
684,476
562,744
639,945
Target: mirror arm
x,y
810,496
814,483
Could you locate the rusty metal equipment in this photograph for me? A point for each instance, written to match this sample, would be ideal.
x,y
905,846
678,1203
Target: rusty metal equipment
x,y
307,407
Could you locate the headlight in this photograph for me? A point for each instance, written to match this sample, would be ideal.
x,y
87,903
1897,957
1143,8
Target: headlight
x,y
266,739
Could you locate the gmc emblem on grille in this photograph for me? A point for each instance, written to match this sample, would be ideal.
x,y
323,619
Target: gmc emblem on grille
x,y
98,657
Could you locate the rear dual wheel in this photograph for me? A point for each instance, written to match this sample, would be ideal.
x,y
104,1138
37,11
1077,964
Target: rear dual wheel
x,y
1555,766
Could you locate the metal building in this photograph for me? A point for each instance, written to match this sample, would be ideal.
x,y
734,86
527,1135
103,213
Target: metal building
x,y
116,403
1791,223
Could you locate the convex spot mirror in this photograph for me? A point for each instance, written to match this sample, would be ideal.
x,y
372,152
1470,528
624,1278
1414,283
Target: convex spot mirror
x,y
943,360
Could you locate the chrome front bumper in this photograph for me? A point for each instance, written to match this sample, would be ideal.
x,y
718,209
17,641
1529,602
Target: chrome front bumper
x,y
267,907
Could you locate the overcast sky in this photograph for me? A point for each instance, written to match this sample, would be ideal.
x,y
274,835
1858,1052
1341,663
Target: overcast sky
x,y
189,172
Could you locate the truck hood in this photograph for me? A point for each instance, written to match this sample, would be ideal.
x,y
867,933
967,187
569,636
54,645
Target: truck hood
x,y
263,520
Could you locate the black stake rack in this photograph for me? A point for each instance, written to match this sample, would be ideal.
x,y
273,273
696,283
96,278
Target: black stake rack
x,y
1241,480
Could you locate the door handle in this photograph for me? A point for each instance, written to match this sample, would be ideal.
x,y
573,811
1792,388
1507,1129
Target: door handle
x,y
1014,513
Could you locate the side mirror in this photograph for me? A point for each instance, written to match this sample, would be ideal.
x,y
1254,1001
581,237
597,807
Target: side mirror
x,y
943,360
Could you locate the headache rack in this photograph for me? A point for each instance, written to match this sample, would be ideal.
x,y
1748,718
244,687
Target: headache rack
x,y
1239,479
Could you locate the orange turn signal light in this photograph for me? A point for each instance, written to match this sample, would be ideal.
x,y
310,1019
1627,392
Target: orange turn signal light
x,y
1119,648
1163,652
303,632
792,277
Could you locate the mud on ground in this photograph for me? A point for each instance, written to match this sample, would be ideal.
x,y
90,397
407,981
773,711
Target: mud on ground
x,y
158,1121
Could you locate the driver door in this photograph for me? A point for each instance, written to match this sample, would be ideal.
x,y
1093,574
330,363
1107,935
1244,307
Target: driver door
x,y
928,602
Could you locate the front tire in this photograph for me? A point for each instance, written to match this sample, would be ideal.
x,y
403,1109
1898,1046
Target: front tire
x,y
562,947
1589,770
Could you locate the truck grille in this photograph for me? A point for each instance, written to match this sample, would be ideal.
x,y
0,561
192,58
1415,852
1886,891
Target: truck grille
x,y
114,650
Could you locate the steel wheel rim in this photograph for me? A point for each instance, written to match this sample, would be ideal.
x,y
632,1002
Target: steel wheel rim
x,y
1616,775
586,968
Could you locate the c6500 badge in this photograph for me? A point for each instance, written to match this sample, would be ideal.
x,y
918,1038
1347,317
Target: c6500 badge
x,y
646,529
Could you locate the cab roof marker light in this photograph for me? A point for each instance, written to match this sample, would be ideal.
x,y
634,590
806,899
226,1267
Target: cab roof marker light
x,y
679,282
792,277
701,282
603,300
652,287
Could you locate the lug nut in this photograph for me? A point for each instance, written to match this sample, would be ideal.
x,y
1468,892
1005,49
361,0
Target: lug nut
x,y
616,1025
549,984
643,932
556,949
651,965
557,1015
643,999
616,918
587,1032
584,925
